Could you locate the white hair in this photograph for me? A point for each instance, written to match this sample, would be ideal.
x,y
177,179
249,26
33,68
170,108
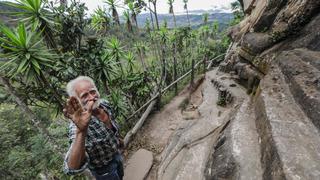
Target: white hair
x,y
71,84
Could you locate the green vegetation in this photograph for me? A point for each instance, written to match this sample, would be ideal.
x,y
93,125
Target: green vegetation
x,y
49,45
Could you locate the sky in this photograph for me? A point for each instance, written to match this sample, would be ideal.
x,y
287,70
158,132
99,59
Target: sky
x,y
162,5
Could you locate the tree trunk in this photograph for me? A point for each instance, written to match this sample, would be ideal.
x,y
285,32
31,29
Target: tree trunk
x,y
129,26
156,14
47,34
188,17
55,93
134,20
174,20
142,61
151,16
115,17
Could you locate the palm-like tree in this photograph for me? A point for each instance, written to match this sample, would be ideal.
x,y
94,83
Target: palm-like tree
x,y
118,102
100,20
140,48
163,35
215,29
134,12
105,71
171,11
154,3
113,4
126,15
205,18
25,53
27,57
130,58
116,51
151,13
34,14
185,7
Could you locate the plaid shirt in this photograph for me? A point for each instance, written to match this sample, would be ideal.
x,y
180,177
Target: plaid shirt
x,y
101,143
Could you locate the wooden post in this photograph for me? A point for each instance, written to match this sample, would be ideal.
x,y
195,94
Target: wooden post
x,y
192,72
175,68
205,58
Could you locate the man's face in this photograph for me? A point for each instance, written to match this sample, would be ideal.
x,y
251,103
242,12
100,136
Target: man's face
x,y
87,92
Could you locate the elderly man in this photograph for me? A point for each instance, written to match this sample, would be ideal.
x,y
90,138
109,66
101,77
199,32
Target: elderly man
x,y
93,133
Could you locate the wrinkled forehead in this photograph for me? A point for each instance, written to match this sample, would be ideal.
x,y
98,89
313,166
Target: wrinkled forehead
x,y
83,87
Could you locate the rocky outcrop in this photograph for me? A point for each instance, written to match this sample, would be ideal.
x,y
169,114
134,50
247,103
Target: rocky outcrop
x,y
187,153
269,83
276,56
290,143
284,32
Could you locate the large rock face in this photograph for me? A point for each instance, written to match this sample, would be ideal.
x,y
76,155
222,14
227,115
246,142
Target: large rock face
x,y
272,131
276,55
284,33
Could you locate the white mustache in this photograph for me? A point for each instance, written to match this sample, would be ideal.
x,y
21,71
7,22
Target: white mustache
x,y
95,105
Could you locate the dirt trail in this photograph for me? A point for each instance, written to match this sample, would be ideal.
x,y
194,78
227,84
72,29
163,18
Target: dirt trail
x,y
158,128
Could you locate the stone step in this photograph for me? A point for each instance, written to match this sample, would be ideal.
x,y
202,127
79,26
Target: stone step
x,y
138,165
290,143
299,68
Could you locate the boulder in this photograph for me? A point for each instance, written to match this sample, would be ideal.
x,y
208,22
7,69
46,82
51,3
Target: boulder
x,y
138,165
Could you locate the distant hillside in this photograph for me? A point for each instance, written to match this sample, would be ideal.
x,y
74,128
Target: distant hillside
x,y
195,19
5,18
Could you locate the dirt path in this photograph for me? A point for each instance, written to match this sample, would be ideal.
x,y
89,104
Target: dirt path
x,y
156,131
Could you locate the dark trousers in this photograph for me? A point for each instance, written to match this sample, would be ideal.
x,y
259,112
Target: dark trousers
x,y
113,171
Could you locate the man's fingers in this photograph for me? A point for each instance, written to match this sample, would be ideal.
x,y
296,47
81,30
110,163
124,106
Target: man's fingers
x,y
65,113
89,106
69,108
78,105
75,104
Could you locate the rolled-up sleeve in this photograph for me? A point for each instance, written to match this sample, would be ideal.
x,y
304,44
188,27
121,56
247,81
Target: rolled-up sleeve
x,y
70,171
67,170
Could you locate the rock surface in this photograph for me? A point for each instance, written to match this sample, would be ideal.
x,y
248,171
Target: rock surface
x,y
138,165
276,51
271,127
187,153
290,143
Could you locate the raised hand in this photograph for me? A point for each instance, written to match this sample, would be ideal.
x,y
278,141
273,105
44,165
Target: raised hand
x,y
77,114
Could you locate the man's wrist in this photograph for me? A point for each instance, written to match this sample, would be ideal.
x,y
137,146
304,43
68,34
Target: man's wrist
x,y
81,132
108,124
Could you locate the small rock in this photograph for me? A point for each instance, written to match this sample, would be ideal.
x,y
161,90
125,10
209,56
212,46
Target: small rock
x,y
188,115
172,127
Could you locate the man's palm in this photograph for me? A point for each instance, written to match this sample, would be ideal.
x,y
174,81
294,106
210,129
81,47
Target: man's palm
x,y
77,114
